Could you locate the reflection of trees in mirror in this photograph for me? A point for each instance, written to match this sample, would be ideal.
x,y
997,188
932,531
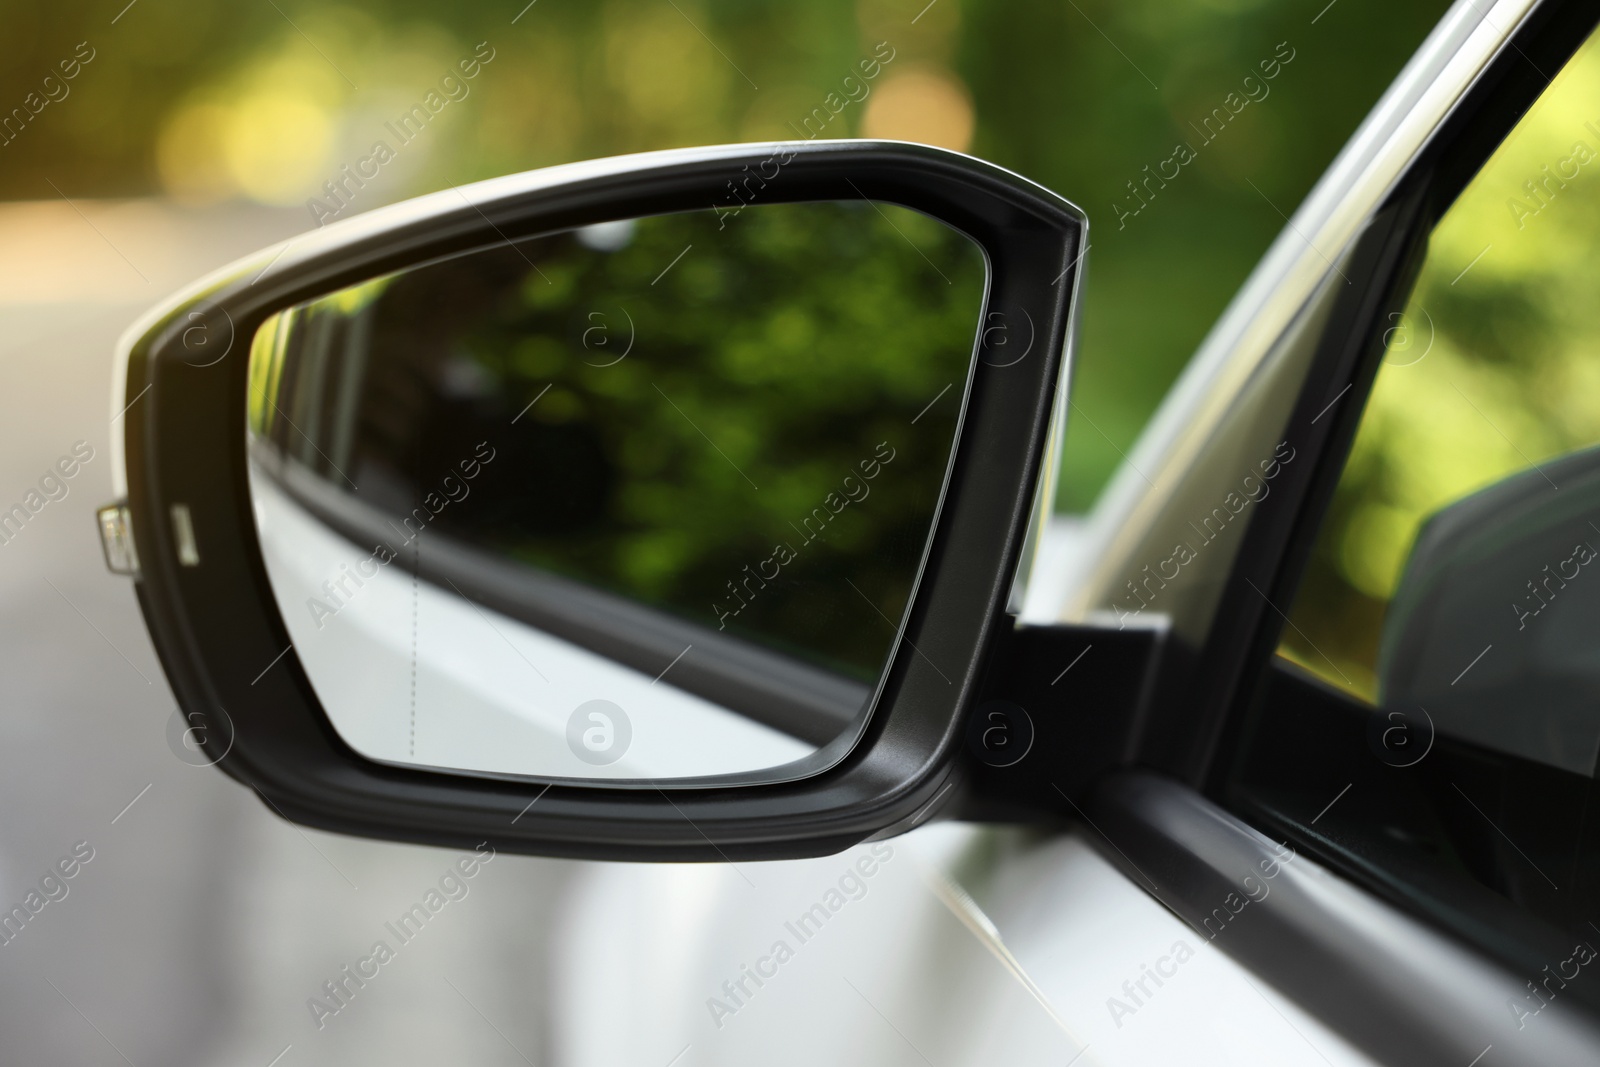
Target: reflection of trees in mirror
x,y
741,400
854,489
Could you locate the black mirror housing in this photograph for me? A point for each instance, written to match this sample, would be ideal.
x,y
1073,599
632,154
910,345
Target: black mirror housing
x,y
210,610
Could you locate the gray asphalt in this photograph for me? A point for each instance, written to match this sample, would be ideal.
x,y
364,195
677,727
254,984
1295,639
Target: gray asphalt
x,y
203,923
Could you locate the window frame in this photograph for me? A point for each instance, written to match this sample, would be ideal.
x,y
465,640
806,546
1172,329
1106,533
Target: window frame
x,y
1428,988
1202,743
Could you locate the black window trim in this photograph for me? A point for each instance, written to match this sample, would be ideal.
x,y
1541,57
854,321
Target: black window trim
x,y
1174,833
1200,741
1394,986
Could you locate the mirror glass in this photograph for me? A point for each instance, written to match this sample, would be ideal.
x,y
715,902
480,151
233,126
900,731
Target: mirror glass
x,y
644,500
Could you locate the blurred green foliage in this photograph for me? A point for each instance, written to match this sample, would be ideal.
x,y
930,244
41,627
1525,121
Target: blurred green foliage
x,y
746,424
1493,368
268,100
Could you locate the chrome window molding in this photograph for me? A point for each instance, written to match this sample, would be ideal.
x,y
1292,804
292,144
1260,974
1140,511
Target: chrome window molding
x,y
1241,347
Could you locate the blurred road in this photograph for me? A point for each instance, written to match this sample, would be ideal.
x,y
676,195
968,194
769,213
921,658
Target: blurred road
x,y
203,923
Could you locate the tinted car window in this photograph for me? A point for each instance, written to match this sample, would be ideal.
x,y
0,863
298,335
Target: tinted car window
x,y
1434,707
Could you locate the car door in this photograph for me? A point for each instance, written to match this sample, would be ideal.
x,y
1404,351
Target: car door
x,y
1360,829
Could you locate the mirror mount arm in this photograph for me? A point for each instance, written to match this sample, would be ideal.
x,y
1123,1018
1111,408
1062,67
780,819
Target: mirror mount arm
x,y
1074,700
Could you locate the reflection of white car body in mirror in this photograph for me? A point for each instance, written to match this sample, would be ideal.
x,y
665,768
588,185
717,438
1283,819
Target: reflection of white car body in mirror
x,y
489,693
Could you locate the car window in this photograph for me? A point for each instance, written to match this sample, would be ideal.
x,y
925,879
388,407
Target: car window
x,y
1434,706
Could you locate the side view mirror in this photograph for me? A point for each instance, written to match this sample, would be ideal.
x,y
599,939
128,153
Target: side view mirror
x,y
658,507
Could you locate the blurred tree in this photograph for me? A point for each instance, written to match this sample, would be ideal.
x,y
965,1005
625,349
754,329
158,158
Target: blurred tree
x,y
267,101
